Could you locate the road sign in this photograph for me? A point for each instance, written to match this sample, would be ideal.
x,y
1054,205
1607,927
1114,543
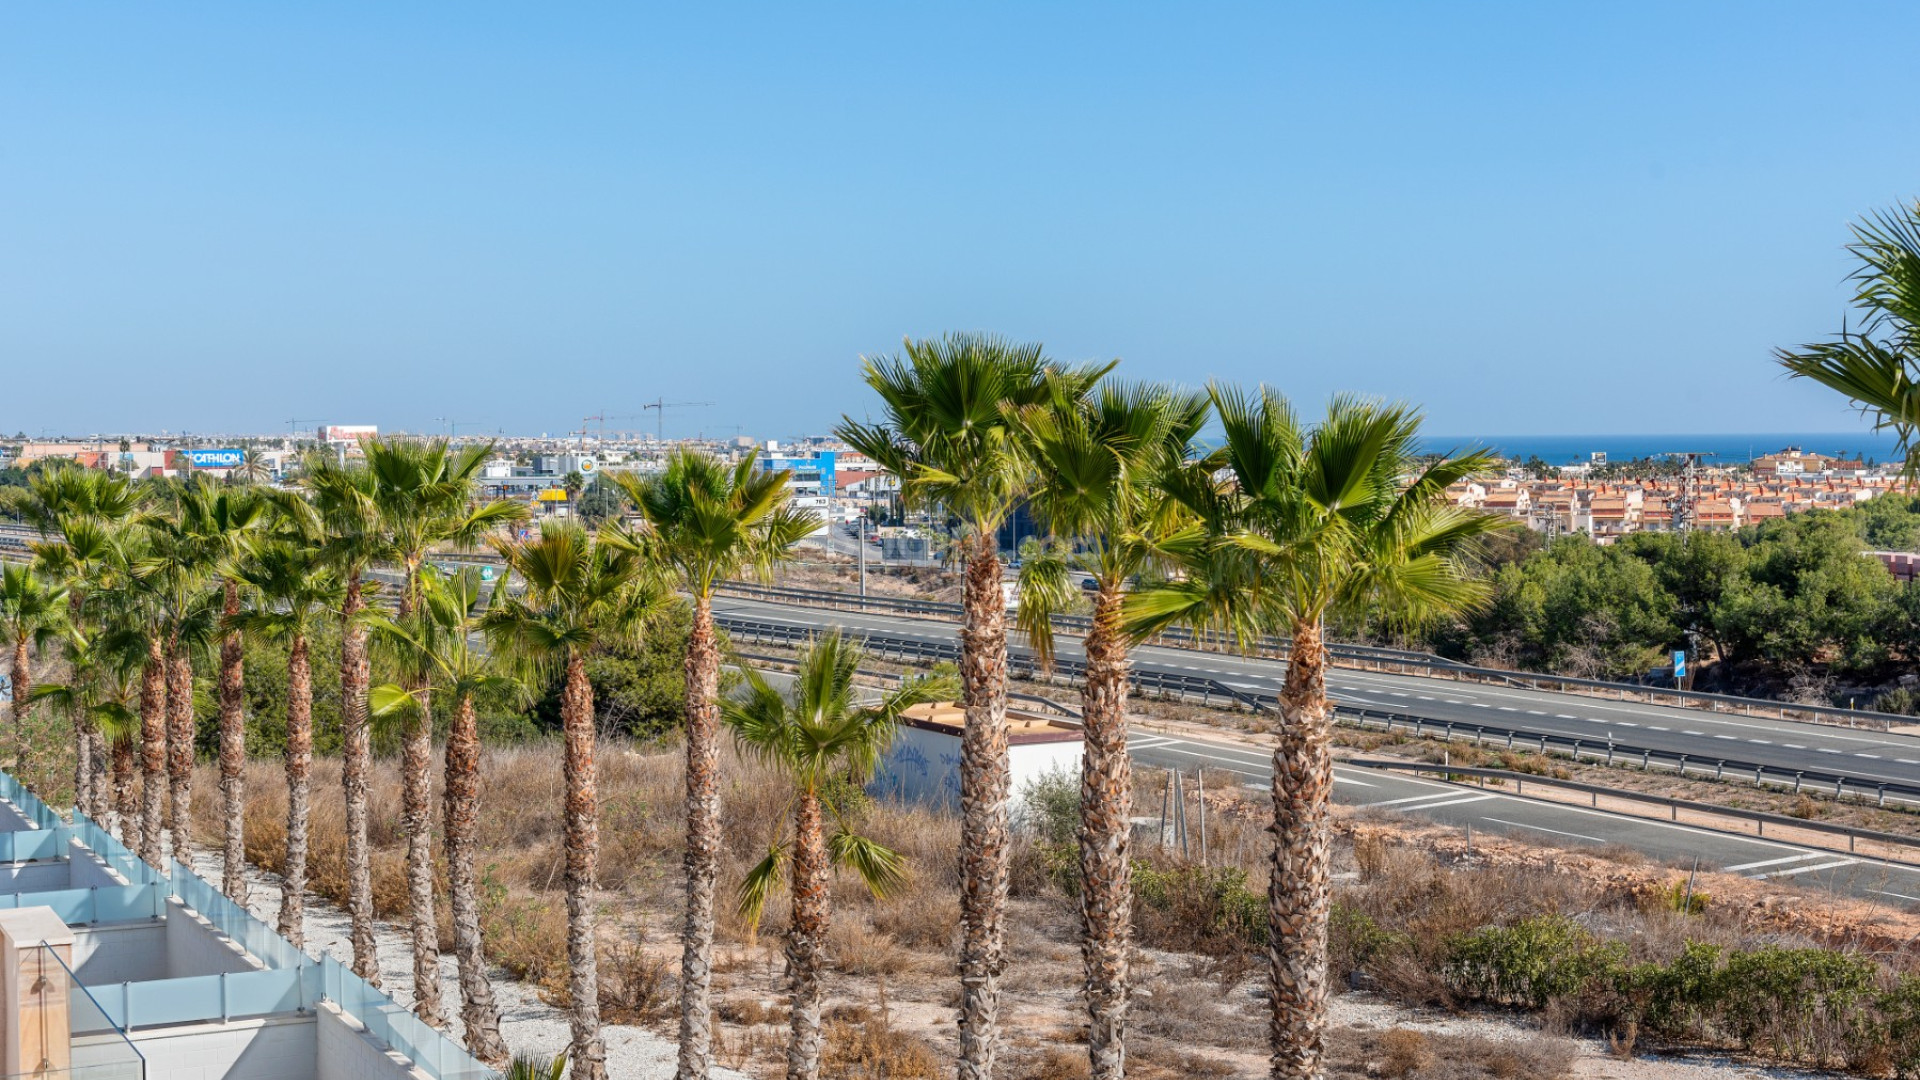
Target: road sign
x,y
1679,663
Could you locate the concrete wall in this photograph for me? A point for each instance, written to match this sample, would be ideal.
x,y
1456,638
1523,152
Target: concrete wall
x,y
12,820
194,947
90,871
1035,760
348,1053
34,876
122,952
281,1048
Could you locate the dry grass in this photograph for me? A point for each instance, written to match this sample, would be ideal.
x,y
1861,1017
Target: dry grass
x,y
1406,1054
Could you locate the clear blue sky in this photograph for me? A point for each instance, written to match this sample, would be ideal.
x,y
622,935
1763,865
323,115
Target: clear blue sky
x,y
1527,217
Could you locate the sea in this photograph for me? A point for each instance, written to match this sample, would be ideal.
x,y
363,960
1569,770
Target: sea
x,y
1722,449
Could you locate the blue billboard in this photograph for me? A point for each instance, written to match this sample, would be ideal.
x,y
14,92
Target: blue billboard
x,y
216,459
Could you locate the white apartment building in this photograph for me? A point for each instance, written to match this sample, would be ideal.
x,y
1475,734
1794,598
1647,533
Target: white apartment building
x,y
112,970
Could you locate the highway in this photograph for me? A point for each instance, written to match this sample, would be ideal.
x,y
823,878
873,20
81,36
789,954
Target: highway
x,y
1788,745
1539,821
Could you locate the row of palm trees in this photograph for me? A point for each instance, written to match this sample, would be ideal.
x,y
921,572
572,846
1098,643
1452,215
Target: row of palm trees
x,y
1272,532
1279,527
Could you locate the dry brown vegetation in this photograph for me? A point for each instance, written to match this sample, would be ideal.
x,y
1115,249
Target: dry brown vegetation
x,y
1199,973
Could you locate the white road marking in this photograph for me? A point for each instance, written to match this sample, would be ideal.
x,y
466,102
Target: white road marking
x,y
1538,828
1455,802
1772,862
1807,869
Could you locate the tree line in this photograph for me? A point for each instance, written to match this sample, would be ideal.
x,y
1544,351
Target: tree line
x,y
1286,526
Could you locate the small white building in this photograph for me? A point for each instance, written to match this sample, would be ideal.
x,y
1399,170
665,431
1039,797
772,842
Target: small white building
x,y
923,765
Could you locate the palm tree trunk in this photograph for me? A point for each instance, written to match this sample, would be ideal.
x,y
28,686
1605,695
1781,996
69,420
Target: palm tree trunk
x,y
233,755
356,761
807,937
153,753
22,708
985,781
180,733
478,1014
82,761
1297,897
98,807
293,891
703,843
1106,809
589,1052
416,795
126,805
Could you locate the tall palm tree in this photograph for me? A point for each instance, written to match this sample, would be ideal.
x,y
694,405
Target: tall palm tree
x,y
579,595
32,615
1307,523
178,564
294,591
947,437
343,518
1877,363
1097,461
425,496
708,522
434,650
225,523
99,694
818,733
253,468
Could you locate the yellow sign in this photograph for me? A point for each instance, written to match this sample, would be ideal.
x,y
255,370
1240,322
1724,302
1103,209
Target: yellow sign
x,y
554,495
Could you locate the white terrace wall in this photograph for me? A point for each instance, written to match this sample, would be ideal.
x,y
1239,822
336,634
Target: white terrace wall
x,y
120,952
347,1053
44,876
194,947
275,1048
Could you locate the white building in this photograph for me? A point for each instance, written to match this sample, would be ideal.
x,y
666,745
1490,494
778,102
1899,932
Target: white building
x,y
111,970
923,764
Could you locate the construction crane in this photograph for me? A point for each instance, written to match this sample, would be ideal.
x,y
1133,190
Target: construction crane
x,y
661,405
602,418
453,426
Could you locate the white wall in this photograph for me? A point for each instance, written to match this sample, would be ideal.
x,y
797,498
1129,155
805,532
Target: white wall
x,y
921,766
1031,762
34,876
281,1048
346,1052
122,952
89,870
194,947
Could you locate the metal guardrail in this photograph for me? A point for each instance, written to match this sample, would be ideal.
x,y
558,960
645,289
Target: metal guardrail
x,y
1609,752
1035,700
1020,664
1401,661
1760,818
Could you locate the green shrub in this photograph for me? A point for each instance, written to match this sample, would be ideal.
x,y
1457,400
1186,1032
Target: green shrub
x,y
1795,1003
1050,806
1531,962
1203,905
1356,939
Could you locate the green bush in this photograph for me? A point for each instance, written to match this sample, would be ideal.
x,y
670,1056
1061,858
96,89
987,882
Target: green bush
x,y
1795,1003
1050,806
1530,962
1203,902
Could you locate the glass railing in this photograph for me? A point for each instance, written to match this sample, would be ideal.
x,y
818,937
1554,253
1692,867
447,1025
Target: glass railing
x,y
26,845
199,999
113,852
61,1023
233,920
38,813
101,904
420,1042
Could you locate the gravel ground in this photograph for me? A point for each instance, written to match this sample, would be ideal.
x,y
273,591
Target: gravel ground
x,y
529,1024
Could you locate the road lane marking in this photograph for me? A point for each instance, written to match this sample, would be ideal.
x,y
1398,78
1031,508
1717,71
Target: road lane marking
x,y
1898,895
1454,802
1446,793
1544,829
1806,869
1772,862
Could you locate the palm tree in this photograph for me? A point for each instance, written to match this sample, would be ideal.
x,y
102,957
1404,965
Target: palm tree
x,y
424,495
344,519
1877,364
817,734
947,437
294,590
579,595
253,468
1097,459
32,616
98,696
1338,519
177,564
434,649
225,523
708,522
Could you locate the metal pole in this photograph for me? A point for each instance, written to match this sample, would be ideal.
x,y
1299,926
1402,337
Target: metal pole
x,y
863,556
1200,779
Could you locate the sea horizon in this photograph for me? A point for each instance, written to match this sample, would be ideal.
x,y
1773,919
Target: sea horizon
x,y
1735,448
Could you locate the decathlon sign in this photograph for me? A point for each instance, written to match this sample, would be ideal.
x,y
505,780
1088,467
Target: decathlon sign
x,y
216,459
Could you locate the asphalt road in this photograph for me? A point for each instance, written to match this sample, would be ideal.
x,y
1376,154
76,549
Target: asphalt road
x,y
1504,814
1867,756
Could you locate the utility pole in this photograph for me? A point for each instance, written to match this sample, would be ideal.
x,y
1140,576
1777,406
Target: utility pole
x,y
863,555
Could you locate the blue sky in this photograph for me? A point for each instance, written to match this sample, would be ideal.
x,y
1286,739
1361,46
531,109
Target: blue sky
x,y
1527,217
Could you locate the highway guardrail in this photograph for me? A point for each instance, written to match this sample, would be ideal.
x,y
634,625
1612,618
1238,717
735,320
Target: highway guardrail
x,y
1372,657
1758,817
